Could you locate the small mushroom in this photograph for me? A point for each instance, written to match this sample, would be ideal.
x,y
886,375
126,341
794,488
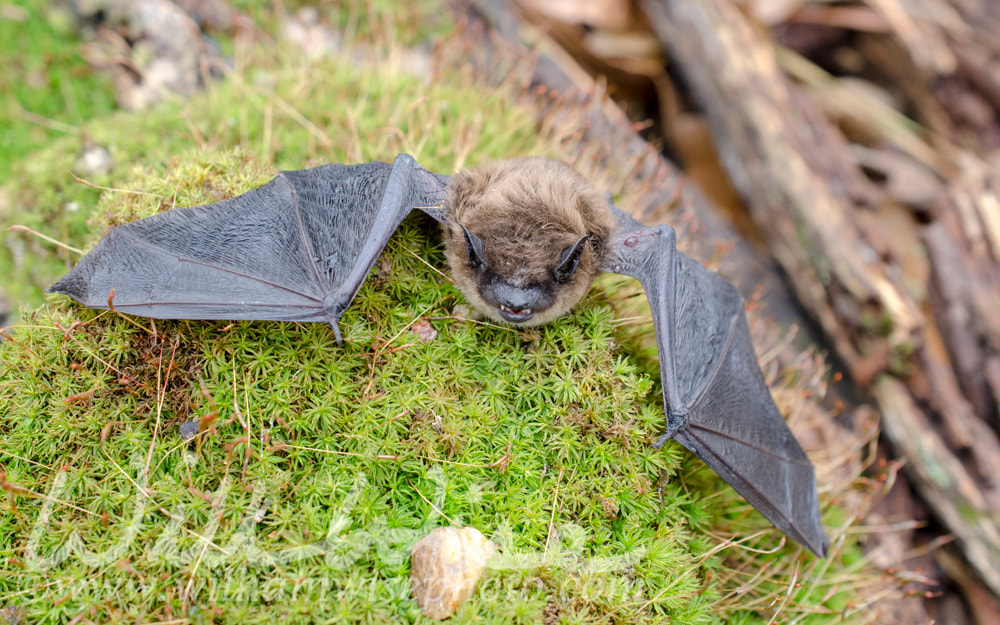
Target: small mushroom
x,y
446,565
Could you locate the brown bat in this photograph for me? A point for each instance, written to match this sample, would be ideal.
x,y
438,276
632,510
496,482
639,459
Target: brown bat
x,y
524,239
547,229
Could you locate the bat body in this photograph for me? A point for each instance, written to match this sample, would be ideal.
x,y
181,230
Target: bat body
x,y
524,239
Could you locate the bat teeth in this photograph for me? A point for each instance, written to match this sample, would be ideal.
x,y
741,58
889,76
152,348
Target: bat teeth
x,y
517,311
516,315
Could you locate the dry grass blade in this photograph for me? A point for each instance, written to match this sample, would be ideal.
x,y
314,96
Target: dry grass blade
x,y
20,228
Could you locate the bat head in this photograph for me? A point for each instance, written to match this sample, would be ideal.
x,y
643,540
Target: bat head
x,y
525,238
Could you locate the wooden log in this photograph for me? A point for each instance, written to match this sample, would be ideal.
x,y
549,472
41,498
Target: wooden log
x,y
797,177
951,73
799,180
984,608
964,293
946,37
942,479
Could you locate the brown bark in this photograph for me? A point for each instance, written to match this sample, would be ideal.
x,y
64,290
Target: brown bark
x,y
963,245
933,320
797,176
943,481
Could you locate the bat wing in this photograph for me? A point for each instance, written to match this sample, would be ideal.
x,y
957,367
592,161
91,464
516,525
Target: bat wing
x,y
296,249
717,403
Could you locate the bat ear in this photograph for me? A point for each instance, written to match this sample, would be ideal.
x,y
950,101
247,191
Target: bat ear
x,y
474,248
570,259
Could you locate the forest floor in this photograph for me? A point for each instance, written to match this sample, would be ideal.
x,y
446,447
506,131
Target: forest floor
x,y
308,483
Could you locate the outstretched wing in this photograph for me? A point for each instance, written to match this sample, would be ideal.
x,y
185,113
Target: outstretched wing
x,y
716,400
296,249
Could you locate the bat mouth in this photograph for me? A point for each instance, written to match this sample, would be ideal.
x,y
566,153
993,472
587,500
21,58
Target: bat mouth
x,y
516,315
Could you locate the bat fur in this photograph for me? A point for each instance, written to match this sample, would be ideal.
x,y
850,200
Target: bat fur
x,y
528,213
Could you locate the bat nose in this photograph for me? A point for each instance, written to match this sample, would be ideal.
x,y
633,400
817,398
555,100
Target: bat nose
x,y
518,299
517,304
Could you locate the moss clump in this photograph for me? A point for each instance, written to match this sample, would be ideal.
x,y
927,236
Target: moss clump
x,y
320,464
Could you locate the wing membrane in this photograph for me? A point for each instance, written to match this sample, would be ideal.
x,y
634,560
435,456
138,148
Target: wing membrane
x,y
296,249
717,402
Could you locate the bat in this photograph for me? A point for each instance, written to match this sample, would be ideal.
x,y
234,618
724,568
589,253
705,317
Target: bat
x,y
524,239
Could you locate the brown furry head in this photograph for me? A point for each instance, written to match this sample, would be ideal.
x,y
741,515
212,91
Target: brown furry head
x,y
525,238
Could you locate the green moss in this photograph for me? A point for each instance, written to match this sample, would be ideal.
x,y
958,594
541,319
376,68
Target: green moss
x,y
551,430
47,87
319,464
879,323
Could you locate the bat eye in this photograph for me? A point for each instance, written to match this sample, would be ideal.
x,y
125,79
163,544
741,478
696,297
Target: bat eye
x,y
570,259
474,248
